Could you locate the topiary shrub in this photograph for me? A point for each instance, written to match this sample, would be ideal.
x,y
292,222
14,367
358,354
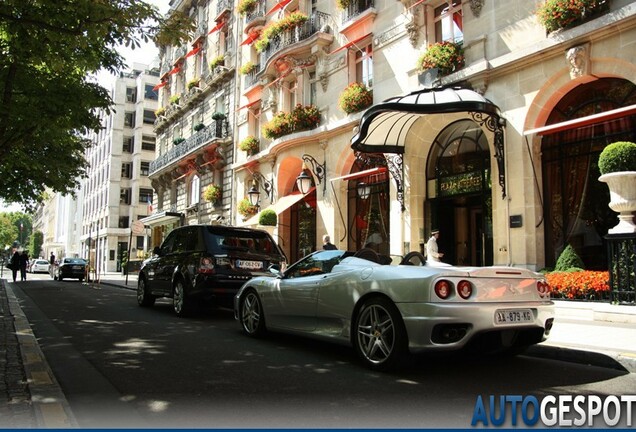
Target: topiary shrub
x,y
617,157
268,217
569,260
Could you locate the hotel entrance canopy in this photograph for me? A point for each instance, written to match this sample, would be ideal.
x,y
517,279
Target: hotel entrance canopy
x,y
384,127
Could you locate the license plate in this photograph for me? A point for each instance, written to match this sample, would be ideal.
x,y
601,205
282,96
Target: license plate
x,y
249,265
76,267
513,316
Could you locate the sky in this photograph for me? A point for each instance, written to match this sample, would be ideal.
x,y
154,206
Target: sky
x,y
144,55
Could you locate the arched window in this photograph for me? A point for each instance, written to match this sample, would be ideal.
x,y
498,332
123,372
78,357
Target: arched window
x,y
575,202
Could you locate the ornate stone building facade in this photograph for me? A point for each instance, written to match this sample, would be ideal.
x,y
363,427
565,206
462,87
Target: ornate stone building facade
x,y
495,145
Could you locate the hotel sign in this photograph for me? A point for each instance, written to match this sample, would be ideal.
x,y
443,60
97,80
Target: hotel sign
x,y
460,184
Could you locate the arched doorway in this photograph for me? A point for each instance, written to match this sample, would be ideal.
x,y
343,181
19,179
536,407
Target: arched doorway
x,y
576,208
459,165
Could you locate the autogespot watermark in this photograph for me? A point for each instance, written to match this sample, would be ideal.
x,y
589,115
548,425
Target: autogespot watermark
x,y
554,410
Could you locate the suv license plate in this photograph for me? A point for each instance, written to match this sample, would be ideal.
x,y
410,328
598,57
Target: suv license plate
x,y
249,265
513,316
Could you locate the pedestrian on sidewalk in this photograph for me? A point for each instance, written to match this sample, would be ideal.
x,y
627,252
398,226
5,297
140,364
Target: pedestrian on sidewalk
x,y
14,264
24,263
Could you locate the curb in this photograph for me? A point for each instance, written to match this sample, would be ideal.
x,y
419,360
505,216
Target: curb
x,y
619,361
52,410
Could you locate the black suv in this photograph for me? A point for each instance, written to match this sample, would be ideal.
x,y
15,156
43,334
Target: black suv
x,y
196,264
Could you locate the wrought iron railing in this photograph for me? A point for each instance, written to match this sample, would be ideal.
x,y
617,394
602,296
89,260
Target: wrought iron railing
x,y
223,5
218,129
298,34
258,12
355,8
621,257
251,77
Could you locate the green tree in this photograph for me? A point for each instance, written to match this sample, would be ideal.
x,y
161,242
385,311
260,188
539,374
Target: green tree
x,y
8,231
35,245
48,101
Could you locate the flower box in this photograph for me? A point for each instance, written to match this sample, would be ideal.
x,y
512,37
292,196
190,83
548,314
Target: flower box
x,y
447,57
355,97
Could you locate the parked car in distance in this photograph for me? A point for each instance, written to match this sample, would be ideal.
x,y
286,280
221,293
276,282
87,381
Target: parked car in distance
x,y
39,266
205,264
386,311
70,268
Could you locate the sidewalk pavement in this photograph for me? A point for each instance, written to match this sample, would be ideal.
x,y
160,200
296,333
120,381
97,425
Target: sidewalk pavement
x,y
598,334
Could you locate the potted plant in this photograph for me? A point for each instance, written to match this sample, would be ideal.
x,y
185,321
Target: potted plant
x,y
617,164
268,217
218,116
560,14
355,97
217,61
247,68
305,117
249,145
178,141
160,111
198,127
174,99
246,6
192,83
290,22
246,209
446,56
212,193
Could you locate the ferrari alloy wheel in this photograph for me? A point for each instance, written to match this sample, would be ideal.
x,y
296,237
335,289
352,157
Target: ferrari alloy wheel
x,y
380,337
144,298
251,314
181,303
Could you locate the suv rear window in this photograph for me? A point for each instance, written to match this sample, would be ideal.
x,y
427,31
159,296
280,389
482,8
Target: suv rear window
x,y
226,241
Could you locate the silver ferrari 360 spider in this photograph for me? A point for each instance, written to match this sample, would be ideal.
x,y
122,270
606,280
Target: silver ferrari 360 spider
x,y
385,311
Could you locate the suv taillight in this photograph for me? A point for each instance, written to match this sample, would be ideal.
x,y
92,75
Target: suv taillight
x,y
206,265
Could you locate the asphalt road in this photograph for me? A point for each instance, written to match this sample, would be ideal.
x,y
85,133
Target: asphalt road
x,y
120,365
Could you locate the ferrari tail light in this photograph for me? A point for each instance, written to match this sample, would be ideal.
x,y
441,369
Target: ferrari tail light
x,y
464,289
206,265
443,289
544,288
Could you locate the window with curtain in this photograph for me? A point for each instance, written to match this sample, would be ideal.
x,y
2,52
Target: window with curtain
x,y
364,65
575,202
448,22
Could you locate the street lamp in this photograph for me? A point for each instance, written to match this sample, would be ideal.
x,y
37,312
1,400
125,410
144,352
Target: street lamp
x,y
304,181
253,194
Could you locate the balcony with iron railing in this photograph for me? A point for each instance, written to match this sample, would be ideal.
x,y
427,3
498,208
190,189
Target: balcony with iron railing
x,y
303,32
355,8
256,16
251,77
223,6
219,129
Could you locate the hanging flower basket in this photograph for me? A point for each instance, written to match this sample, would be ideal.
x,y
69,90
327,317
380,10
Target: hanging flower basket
x,y
446,56
561,14
246,6
246,209
217,61
249,145
212,193
247,68
355,97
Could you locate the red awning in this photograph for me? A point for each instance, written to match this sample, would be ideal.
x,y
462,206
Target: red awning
x,y
250,39
217,27
281,4
583,121
161,84
175,70
353,42
249,104
360,174
194,51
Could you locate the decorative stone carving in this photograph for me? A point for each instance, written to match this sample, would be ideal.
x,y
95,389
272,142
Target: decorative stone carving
x,y
578,59
475,7
413,32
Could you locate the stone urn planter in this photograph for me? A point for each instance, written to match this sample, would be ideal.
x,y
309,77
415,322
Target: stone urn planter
x,y
622,187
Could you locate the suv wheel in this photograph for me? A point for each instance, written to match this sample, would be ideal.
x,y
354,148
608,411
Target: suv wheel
x,y
181,303
144,298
